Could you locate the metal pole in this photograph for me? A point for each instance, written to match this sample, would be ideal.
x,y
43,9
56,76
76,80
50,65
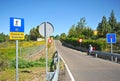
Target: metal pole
x,y
46,51
17,60
111,44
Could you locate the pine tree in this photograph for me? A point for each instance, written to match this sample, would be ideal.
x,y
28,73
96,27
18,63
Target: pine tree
x,y
118,27
113,22
103,27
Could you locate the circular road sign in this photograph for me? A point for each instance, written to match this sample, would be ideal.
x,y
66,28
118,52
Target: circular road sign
x,y
46,29
50,40
80,40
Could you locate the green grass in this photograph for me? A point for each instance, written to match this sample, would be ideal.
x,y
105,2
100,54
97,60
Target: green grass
x,y
27,64
8,48
8,74
37,67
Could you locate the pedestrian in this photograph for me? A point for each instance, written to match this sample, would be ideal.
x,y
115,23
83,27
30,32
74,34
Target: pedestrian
x,y
90,49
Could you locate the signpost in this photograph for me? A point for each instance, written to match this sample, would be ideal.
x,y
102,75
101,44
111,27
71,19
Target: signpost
x,y
80,40
16,33
49,40
111,38
16,28
46,29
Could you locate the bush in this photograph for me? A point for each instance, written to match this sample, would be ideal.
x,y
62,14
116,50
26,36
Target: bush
x,y
99,44
25,64
4,63
21,64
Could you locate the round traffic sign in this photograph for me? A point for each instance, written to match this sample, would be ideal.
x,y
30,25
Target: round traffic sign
x,y
50,41
46,29
80,40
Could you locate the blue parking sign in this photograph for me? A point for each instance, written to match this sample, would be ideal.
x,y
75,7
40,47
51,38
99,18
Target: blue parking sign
x,y
111,38
16,24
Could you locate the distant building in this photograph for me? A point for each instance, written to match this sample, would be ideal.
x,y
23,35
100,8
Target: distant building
x,y
95,32
40,39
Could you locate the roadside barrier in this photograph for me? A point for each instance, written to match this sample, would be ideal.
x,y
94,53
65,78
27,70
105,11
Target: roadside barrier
x,y
105,55
55,67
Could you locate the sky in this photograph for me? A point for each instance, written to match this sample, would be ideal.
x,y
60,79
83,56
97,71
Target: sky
x,y
62,14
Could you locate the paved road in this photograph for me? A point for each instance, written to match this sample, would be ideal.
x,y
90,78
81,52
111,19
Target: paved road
x,y
88,68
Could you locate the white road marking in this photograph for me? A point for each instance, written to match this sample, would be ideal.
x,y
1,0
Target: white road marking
x,y
69,72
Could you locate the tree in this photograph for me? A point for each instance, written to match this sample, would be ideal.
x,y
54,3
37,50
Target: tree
x,y
80,30
113,22
118,27
103,27
57,37
34,33
7,38
27,37
81,25
2,37
72,32
87,32
62,36
37,32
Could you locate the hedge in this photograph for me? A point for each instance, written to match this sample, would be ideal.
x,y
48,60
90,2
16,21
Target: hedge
x,y
99,44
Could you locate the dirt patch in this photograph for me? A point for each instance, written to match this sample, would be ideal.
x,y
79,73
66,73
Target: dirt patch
x,y
33,74
64,76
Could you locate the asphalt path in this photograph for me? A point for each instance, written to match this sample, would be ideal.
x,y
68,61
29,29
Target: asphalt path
x,y
88,68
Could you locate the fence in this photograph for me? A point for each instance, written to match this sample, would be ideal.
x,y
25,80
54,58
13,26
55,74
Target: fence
x,y
28,52
105,55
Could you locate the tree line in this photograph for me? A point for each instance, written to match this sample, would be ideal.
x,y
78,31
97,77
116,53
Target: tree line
x,y
108,26
81,30
3,37
33,35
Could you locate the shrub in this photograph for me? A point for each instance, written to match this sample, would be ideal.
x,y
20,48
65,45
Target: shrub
x,y
26,64
99,44
4,63
21,64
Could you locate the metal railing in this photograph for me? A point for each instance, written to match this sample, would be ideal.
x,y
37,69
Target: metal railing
x,y
105,55
53,76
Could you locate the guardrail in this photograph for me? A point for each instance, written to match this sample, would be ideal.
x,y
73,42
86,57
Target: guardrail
x,y
53,76
111,56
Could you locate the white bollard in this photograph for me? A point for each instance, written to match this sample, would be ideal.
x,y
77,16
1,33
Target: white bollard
x,y
111,58
116,59
96,55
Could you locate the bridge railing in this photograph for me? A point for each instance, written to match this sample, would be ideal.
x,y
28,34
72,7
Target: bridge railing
x,y
55,67
105,55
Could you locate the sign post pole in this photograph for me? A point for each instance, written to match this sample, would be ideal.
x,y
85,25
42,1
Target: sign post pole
x,y
111,38
16,33
111,43
46,50
46,29
17,78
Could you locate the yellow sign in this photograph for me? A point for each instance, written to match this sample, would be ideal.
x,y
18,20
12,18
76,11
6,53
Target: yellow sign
x,y
16,35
